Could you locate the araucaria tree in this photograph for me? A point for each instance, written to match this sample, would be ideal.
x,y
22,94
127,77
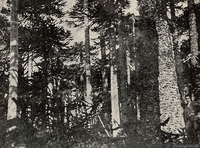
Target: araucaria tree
x,y
169,95
170,107
123,84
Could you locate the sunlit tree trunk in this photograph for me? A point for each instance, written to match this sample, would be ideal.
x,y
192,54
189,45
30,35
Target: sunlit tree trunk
x,y
170,104
88,98
13,77
115,111
136,67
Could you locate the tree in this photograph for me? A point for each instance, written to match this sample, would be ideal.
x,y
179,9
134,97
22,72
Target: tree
x,y
115,111
13,79
193,33
122,70
170,102
88,97
194,58
146,81
4,62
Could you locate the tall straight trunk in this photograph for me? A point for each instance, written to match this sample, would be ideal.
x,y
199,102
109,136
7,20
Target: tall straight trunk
x,y
128,64
13,77
170,104
30,65
103,61
88,97
193,33
194,47
115,111
122,69
136,67
146,65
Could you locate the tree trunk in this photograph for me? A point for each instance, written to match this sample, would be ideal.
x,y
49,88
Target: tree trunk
x,y
103,61
88,97
170,104
146,65
193,33
122,69
114,89
13,77
194,47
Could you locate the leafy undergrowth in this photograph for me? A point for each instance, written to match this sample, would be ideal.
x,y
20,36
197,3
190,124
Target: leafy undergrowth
x,y
26,136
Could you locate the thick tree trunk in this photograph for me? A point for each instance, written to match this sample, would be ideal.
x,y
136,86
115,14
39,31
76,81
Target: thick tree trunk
x,y
170,104
147,81
115,111
13,77
88,97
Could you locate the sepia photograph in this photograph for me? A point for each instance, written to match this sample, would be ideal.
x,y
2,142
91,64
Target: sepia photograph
x,y
99,73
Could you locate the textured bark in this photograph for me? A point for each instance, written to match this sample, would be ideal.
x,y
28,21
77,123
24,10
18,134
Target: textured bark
x,y
13,77
115,111
193,33
88,97
194,47
170,104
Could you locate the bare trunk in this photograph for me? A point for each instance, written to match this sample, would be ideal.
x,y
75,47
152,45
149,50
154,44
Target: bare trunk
x,y
103,61
114,90
193,33
30,65
194,47
122,68
13,77
88,98
170,104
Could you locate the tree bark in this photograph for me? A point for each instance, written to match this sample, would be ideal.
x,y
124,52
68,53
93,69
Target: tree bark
x,y
88,97
193,33
170,105
194,47
103,61
115,111
122,69
13,77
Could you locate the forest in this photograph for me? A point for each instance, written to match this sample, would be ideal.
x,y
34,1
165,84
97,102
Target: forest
x,y
133,81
